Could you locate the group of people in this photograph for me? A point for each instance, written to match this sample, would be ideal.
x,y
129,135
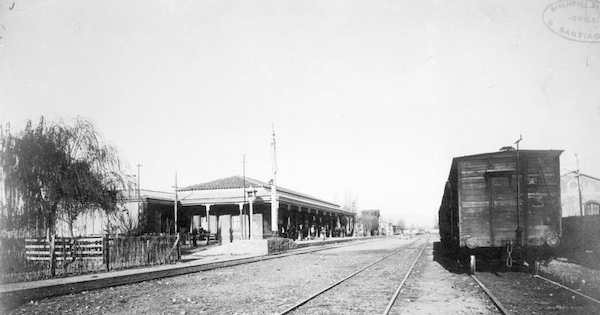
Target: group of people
x,y
304,232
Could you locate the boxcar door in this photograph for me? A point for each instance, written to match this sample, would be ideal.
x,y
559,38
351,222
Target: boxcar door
x,y
503,210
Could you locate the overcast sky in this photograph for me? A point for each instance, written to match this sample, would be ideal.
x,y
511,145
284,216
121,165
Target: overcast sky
x,y
371,99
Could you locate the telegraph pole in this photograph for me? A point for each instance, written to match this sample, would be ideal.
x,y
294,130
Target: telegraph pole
x,y
579,185
274,202
242,218
175,205
519,230
139,197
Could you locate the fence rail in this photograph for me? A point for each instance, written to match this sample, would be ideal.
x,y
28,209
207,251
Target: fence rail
x,y
65,249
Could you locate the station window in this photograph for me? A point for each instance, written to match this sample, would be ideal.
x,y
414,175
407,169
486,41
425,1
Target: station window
x,y
592,208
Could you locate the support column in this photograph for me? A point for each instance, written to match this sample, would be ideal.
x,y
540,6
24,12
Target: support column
x,y
251,218
208,217
208,223
242,220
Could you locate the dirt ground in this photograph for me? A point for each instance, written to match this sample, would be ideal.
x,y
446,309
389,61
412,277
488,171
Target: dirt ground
x,y
432,289
271,286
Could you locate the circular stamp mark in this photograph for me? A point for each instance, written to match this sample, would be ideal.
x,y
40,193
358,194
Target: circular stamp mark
x,y
577,20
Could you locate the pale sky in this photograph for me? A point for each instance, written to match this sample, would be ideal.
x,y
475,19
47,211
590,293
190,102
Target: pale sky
x,y
368,98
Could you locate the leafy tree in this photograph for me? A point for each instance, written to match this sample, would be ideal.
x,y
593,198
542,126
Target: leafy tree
x,y
93,178
370,223
32,166
400,225
57,171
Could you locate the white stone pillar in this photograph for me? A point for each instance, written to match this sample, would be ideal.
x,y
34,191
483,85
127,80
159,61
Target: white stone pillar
x,y
208,217
242,220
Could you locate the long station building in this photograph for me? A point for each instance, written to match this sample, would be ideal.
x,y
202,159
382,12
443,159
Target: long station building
x,y
238,208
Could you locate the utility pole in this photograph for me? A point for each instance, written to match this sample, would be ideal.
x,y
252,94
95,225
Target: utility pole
x,y
175,205
242,218
519,231
274,202
578,175
139,197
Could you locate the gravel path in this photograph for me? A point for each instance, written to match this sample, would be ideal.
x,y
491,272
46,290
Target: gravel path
x,y
432,289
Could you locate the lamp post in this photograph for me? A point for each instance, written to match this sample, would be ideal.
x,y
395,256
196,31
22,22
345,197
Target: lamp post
x,y
251,197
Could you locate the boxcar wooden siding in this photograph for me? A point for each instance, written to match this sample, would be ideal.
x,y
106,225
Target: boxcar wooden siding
x,y
487,197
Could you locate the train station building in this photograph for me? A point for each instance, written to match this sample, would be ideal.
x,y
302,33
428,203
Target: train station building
x,y
231,208
238,208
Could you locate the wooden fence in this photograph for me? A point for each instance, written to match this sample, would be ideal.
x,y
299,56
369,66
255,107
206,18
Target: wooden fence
x,y
65,249
29,259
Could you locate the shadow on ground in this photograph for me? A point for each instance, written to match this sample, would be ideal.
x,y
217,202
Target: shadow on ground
x,y
458,262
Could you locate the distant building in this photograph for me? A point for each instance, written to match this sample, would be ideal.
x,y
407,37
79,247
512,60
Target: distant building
x,y
374,213
571,184
144,211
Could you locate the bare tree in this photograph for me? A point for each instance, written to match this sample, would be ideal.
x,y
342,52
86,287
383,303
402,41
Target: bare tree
x,y
350,202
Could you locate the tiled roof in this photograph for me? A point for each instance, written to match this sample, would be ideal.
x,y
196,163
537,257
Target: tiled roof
x,y
227,183
237,182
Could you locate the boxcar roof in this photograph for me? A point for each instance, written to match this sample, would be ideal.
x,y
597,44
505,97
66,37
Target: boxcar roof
x,y
507,153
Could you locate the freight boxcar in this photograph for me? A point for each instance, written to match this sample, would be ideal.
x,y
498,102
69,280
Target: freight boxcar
x,y
503,205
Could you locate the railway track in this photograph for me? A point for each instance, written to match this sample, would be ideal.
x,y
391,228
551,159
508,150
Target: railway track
x,y
495,300
56,287
384,262
586,305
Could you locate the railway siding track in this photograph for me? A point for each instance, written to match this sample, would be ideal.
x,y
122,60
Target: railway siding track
x,y
384,275
522,293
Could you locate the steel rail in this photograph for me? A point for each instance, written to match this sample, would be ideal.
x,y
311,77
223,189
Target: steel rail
x,y
569,289
393,299
19,294
494,299
304,301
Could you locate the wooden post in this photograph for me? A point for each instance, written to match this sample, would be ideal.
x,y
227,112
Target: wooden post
x,y
64,256
178,249
106,250
52,256
147,252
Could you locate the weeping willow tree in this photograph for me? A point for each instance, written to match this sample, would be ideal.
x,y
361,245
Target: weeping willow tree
x,y
93,177
56,171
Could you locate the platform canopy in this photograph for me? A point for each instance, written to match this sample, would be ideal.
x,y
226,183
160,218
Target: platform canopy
x,y
233,190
